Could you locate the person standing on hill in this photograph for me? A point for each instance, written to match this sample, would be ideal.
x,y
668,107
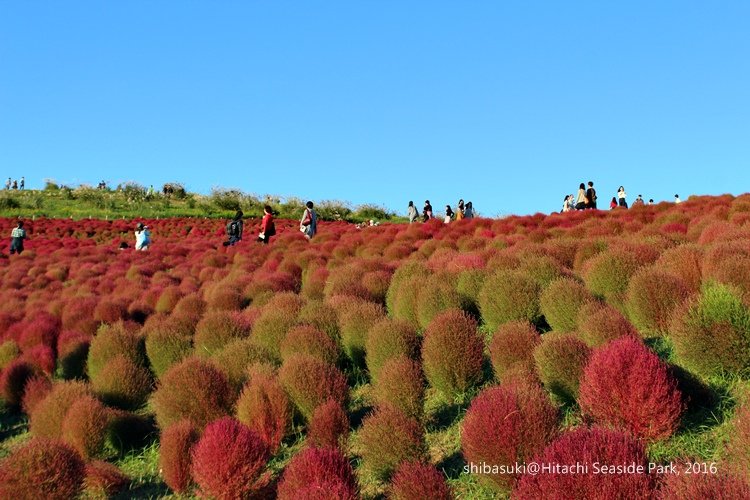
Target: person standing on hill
x,y
142,237
469,211
22,185
427,211
309,223
460,210
581,200
639,200
7,183
591,195
15,185
613,203
411,211
16,238
677,198
448,214
234,229
621,195
267,226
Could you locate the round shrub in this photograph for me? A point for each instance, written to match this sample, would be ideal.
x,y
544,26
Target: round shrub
x,y
628,387
403,291
652,297
13,380
452,353
684,261
718,485
318,473
228,460
264,407
311,382
414,480
217,329
175,452
509,296
8,352
166,346
85,427
738,447
237,356
506,425
561,301
356,317
389,339
42,357
73,350
113,341
104,479
35,390
193,389
48,414
587,446
320,316
168,299
711,333
122,383
607,275
42,468
307,339
512,348
388,438
110,311
401,385
436,295
329,425
600,323
560,360
468,286
278,317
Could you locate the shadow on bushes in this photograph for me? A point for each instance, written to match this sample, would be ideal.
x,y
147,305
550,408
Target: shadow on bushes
x,y
129,432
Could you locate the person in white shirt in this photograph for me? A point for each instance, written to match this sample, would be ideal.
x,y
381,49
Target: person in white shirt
x,y
142,237
621,195
677,198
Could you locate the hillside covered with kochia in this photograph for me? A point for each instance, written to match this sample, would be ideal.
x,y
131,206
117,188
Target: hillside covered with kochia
x,y
384,360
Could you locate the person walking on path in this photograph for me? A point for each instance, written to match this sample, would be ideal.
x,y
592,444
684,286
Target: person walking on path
x,y
469,211
412,212
460,210
234,229
621,195
142,237
22,185
15,185
427,211
8,183
448,214
591,195
309,223
267,226
16,238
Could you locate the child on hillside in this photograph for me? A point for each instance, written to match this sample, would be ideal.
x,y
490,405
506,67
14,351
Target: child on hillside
x,y
16,238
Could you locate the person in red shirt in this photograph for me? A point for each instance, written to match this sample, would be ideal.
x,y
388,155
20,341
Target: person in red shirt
x,y
267,227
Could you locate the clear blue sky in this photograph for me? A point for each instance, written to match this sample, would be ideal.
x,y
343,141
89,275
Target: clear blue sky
x,y
507,103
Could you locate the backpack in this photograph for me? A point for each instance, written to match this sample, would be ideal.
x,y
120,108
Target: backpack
x,y
233,229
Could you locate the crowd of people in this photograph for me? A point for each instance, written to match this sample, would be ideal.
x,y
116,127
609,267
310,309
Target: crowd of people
x,y
462,211
586,199
15,184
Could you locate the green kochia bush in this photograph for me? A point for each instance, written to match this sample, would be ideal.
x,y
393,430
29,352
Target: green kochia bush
x,y
401,385
436,295
452,353
512,348
652,297
560,360
310,382
388,438
712,332
389,339
113,341
356,317
122,383
48,414
561,301
508,296
309,340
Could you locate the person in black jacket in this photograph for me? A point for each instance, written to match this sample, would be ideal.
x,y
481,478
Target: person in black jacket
x,y
234,229
591,195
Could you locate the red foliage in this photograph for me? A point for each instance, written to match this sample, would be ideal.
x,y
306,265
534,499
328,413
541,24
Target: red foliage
x,y
738,447
85,426
600,323
401,385
35,390
265,408
13,380
512,348
229,459
42,468
104,479
175,454
586,447
414,480
48,414
627,386
718,485
318,473
329,425
652,297
506,425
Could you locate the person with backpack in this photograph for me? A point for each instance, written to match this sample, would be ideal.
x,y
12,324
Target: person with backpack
x,y
309,223
142,237
234,230
17,235
267,226
591,195
411,211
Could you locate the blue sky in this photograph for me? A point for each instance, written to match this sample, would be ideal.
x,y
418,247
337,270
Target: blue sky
x,y
510,104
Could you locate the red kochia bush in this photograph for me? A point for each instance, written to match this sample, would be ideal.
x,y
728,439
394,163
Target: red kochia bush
x,y
388,437
401,384
193,389
85,426
35,390
175,452
560,360
42,468
599,323
512,348
415,480
318,473
627,386
587,446
48,414
452,353
229,459
505,425
738,447
329,425
13,380
652,297
311,382
104,479
717,485
389,339
264,407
